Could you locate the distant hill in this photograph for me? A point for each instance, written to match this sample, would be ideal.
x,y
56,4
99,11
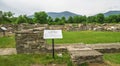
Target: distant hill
x,y
67,14
59,15
112,13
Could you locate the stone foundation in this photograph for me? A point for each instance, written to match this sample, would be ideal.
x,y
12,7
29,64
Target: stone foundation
x,y
106,48
81,54
67,27
30,41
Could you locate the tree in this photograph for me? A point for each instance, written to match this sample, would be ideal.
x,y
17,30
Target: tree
x,y
82,19
50,19
0,13
118,18
57,19
9,14
63,19
91,19
40,17
112,18
6,17
76,19
70,19
1,19
100,18
21,19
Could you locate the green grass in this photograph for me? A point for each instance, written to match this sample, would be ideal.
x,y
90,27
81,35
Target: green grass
x,y
29,59
7,41
113,58
88,37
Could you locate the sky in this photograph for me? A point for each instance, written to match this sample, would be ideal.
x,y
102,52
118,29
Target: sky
x,y
82,7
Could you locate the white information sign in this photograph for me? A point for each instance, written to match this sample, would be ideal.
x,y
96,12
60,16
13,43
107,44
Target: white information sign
x,y
52,34
3,28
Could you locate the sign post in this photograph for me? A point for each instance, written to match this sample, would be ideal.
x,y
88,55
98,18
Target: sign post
x,y
3,30
53,54
53,34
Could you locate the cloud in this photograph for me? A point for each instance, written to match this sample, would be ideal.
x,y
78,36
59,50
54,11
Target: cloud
x,y
84,7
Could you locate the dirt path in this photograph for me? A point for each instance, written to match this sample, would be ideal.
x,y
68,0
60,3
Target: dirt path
x,y
7,51
49,65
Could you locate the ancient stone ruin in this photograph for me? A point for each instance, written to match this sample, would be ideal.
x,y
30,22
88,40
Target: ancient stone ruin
x,y
30,41
67,27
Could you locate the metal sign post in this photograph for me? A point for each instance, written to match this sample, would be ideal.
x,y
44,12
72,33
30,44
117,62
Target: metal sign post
x,y
53,34
53,53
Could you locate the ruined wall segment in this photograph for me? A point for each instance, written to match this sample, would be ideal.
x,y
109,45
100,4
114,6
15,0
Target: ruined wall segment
x,y
30,41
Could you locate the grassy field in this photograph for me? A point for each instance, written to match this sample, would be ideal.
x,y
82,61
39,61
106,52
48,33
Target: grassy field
x,y
44,59
88,37
6,41
30,59
113,58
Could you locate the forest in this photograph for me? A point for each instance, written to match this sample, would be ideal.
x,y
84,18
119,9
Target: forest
x,y
42,18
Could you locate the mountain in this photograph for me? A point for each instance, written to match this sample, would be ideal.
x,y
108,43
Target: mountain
x,y
112,13
67,14
59,15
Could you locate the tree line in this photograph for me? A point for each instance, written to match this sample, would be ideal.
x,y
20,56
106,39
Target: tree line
x,y
42,18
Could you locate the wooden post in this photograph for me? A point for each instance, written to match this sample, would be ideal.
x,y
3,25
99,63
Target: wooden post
x,y
3,32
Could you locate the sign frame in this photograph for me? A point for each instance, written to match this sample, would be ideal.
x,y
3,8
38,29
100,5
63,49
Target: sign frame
x,y
53,34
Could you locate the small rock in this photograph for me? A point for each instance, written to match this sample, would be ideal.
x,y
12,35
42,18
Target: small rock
x,y
60,55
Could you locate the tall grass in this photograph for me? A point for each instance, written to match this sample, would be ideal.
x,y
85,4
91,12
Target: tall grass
x,y
88,37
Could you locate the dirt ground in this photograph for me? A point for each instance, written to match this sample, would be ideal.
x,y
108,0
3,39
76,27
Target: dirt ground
x,y
98,64
7,51
90,64
6,34
49,65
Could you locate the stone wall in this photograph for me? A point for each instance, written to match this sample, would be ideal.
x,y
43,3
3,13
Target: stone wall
x,y
30,41
66,27
94,27
106,48
87,59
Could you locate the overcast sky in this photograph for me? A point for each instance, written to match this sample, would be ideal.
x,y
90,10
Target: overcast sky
x,y
82,7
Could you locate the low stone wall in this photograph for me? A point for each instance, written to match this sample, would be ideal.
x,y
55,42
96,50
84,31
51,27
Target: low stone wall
x,y
66,27
94,27
30,41
111,50
106,48
82,54
88,59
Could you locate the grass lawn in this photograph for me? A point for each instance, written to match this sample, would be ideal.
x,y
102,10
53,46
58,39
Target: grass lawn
x,y
88,37
6,42
113,58
30,59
